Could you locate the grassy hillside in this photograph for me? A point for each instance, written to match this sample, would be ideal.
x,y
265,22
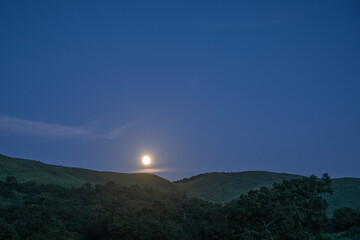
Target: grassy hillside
x,y
214,187
346,194
30,170
223,187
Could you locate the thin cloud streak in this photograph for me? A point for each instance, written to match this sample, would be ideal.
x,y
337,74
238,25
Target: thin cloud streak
x,y
152,170
117,132
16,125
43,129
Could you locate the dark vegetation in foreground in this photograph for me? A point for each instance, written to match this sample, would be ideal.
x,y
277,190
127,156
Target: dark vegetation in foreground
x,y
293,209
213,187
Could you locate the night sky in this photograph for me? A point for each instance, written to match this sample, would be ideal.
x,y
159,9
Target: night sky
x,y
200,86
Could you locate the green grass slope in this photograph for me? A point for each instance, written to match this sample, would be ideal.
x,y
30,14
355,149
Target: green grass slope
x,y
215,187
224,187
346,194
30,170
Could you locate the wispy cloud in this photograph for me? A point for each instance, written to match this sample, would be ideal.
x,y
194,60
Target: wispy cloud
x,y
44,129
152,170
117,132
16,125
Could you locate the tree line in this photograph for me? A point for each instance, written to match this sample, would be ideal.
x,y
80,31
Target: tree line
x,y
294,209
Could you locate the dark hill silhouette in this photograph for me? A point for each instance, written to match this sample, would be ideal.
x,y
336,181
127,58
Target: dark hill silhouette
x,y
30,170
214,187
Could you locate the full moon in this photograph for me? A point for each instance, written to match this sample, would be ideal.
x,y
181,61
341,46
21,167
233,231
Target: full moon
x,y
146,160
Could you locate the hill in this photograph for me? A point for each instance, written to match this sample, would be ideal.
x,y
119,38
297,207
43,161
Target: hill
x,y
346,194
29,170
214,187
224,187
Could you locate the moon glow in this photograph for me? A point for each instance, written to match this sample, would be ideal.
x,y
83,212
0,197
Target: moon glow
x,y
146,160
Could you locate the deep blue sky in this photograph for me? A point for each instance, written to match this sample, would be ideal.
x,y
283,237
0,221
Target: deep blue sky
x,y
199,85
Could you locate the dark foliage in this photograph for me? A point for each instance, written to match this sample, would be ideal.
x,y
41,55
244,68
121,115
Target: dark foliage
x,y
293,209
344,219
